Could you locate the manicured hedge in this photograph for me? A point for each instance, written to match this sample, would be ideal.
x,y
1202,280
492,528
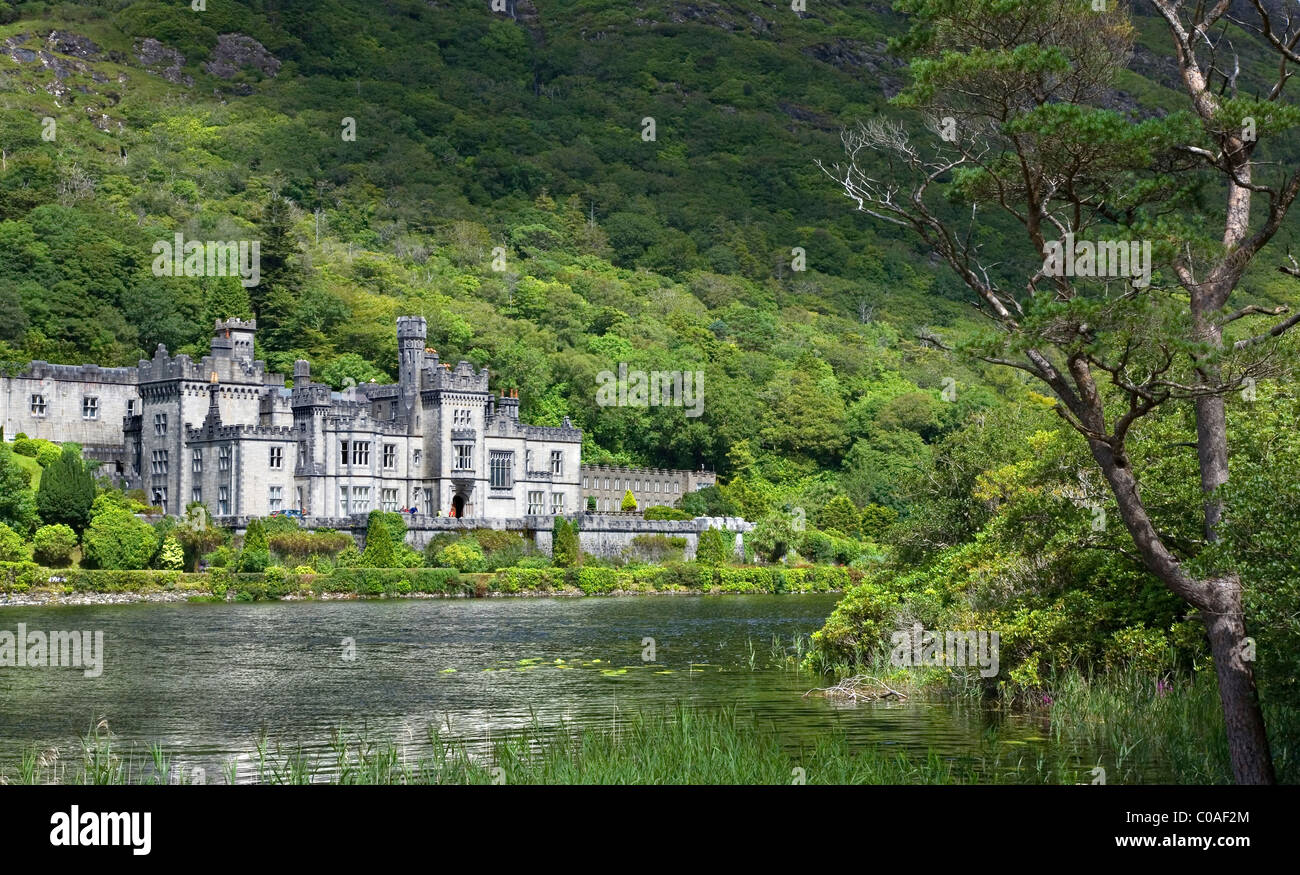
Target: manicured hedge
x,y
594,580
22,576
277,582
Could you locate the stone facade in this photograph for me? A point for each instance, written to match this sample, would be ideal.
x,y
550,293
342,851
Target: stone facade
x,y
650,486
226,432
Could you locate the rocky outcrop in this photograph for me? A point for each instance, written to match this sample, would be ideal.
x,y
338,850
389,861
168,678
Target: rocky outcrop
x,y
858,57
67,43
236,52
162,60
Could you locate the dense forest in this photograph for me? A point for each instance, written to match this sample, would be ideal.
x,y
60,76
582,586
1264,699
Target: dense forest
x,y
646,175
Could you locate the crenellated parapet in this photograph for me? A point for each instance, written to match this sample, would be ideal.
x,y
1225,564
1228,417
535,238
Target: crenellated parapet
x,y
42,370
462,378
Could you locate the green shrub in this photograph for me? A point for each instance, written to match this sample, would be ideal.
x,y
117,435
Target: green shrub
x,y
67,491
53,546
297,545
465,555
379,542
712,548
664,512
657,548
12,548
172,556
565,551
117,540
860,625
20,576
255,555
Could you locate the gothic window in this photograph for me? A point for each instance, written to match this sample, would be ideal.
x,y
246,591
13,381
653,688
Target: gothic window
x,y
360,499
361,453
502,468
38,405
389,497
535,503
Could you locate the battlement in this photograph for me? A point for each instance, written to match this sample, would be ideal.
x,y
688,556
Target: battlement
x,y
411,328
241,432
43,370
462,378
233,324
311,395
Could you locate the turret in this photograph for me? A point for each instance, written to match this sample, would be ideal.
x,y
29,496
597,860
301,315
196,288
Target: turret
x,y
233,339
411,334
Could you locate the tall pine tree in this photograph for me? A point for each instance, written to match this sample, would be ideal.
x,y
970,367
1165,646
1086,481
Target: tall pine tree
x,y
67,491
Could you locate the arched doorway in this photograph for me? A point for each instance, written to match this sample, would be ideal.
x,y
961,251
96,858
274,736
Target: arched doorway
x,y
458,506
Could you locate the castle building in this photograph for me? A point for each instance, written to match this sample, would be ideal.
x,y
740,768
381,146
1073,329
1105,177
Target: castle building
x,y
225,432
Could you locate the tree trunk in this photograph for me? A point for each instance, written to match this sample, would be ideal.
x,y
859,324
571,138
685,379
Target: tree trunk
x,y
1220,604
1252,762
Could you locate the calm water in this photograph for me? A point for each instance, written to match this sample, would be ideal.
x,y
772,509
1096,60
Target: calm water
x,y
206,680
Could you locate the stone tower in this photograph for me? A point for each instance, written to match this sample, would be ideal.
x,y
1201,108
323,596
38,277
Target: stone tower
x,y
411,334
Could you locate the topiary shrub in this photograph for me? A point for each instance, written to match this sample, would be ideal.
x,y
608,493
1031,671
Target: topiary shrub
x,y
52,546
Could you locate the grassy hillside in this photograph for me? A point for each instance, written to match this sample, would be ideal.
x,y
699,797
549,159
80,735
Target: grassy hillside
x,y
523,130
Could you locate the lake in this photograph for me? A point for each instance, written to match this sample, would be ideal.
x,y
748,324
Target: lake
x,y
206,680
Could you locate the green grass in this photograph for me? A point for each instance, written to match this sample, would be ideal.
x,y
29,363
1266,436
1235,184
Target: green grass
x,y
1179,733
31,466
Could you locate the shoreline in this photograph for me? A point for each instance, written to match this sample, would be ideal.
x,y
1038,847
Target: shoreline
x,y
49,598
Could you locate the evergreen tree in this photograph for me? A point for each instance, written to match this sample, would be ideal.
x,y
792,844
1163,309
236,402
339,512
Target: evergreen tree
x,y
629,501
173,554
67,491
379,543
565,552
256,555
841,515
712,547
